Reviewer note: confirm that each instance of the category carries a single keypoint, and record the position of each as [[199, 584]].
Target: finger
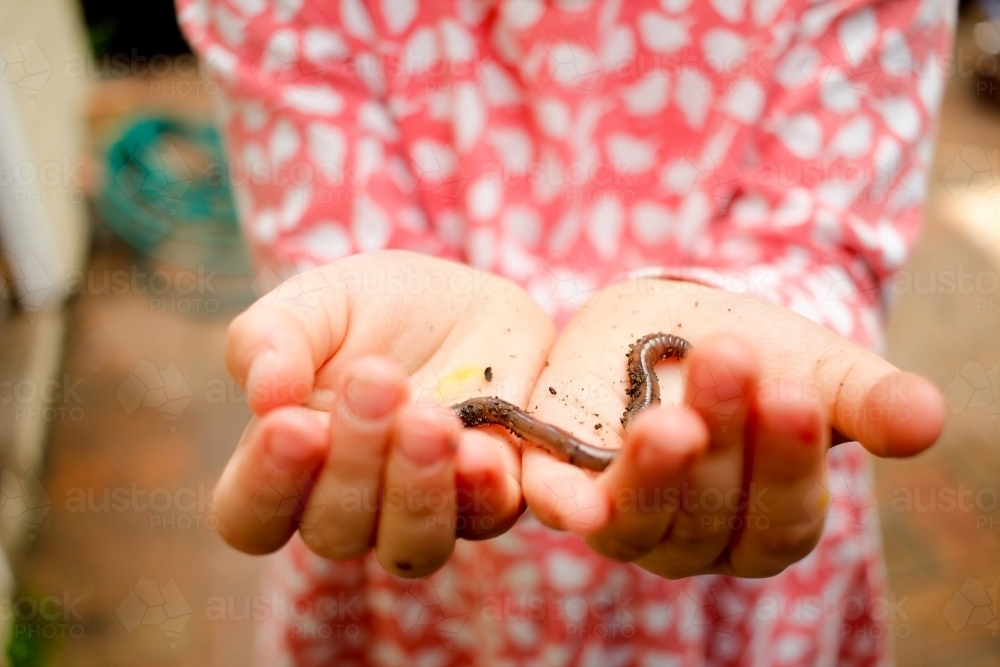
[[891, 413], [722, 372], [275, 347], [720, 382], [265, 489], [349, 484], [579, 392], [787, 500], [477, 361], [488, 486], [417, 524], [562, 496], [643, 483]]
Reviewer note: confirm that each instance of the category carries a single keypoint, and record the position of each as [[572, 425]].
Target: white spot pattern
[[562, 144]]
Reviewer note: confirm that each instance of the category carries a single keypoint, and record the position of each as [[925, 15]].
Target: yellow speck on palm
[[454, 384]]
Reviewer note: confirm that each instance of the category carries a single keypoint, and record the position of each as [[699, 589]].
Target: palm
[[442, 322], [409, 335], [759, 376], [795, 354]]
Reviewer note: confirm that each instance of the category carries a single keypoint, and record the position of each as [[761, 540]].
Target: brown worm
[[643, 391]]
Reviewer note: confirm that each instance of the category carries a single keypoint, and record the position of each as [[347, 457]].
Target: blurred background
[[122, 266]]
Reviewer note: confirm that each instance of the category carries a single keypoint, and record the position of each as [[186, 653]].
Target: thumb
[[275, 347], [893, 414]]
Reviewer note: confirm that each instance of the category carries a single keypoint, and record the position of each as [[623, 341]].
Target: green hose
[[167, 194]]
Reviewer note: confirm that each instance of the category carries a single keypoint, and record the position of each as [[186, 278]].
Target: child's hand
[[350, 369], [762, 388]]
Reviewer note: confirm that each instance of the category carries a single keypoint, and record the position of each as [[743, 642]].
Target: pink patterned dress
[[771, 146]]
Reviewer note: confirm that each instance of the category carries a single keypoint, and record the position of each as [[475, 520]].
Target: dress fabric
[[778, 147]]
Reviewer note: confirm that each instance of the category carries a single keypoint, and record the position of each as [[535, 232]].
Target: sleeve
[[834, 179]]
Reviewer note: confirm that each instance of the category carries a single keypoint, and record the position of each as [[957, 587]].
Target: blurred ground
[[129, 484], [128, 529], [128, 547], [939, 512]]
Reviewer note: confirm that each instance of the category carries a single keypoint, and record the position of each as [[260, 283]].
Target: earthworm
[[643, 391]]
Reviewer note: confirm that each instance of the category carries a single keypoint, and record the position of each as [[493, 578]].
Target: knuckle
[[789, 543], [765, 570], [691, 530], [242, 540], [354, 464], [623, 549], [485, 527], [669, 568], [790, 470], [340, 548]]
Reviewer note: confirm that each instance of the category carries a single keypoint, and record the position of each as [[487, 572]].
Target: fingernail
[[371, 398], [674, 441], [289, 451], [651, 453], [799, 425], [424, 442]]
